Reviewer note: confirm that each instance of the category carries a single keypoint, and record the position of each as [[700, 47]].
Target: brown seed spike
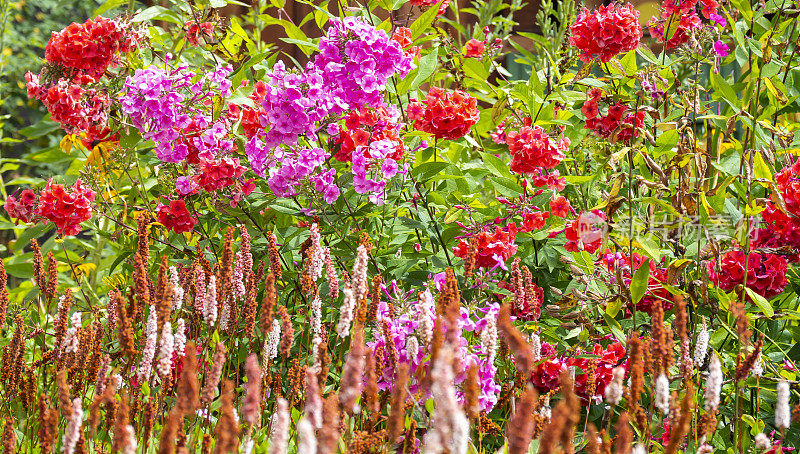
[[3, 294], [52, 276], [521, 425], [519, 346]]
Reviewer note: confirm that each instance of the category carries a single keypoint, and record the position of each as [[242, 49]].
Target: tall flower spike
[[251, 409], [177, 290], [449, 430], [346, 313], [783, 413], [713, 384], [166, 351], [360, 284], [306, 438], [73, 431], [149, 351], [331, 275], [317, 254], [200, 290], [180, 337], [662, 394], [270, 350], [279, 437], [210, 303], [701, 346], [613, 392]]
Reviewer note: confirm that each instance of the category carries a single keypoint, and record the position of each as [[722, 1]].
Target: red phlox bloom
[[474, 48], [76, 108], [22, 208], [176, 217], [560, 207], [656, 293], [620, 123], [403, 36], [492, 245], [446, 115], [781, 230], [216, 175], [683, 28], [586, 232], [606, 32], [546, 374], [766, 273], [250, 116], [193, 31], [533, 220], [531, 147], [88, 48], [364, 127], [788, 181], [66, 209], [609, 358]]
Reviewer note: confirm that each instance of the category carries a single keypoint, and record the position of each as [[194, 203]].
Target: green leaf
[[722, 87], [39, 129], [427, 64], [507, 186], [613, 307], [495, 165], [639, 281], [761, 302], [423, 22], [109, 5], [427, 170]]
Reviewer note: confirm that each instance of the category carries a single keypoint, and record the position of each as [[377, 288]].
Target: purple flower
[[721, 49], [185, 185], [717, 19]]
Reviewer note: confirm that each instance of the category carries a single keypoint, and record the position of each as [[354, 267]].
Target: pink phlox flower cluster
[[294, 102], [356, 59], [161, 103]]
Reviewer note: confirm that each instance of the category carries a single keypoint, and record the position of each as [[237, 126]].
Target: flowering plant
[[403, 228]]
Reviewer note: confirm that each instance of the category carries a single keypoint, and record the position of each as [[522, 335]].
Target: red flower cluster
[[193, 31], [493, 248], [66, 209], [655, 294], [216, 175], [608, 358], [781, 230], [546, 375], [445, 115], [474, 48], [403, 36], [586, 232], [176, 217], [604, 33], [788, 181], [250, 121], [22, 208], [364, 127], [531, 148], [619, 124], [680, 16], [77, 109], [89, 48], [81, 53], [766, 273]]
